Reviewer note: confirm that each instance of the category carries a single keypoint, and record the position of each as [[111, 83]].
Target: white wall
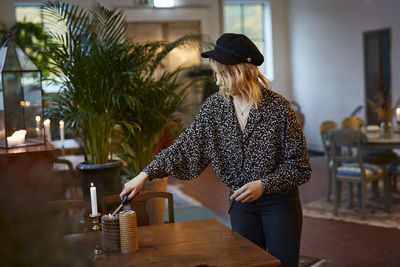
[[280, 39], [327, 57]]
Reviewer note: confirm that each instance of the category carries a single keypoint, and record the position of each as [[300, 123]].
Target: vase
[[105, 177], [386, 129]]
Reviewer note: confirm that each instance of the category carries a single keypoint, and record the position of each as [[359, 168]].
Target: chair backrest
[[325, 127], [353, 122], [71, 216], [299, 114], [346, 145], [138, 204], [67, 181]]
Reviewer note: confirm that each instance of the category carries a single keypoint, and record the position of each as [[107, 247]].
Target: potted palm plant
[[92, 64], [114, 92], [160, 93]]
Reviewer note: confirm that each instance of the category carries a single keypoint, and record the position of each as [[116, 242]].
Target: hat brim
[[222, 56]]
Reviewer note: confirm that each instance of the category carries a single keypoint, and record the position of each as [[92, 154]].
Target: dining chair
[[71, 216], [375, 157], [138, 204], [325, 127], [394, 172], [66, 182], [298, 113], [349, 166], [353, 122]]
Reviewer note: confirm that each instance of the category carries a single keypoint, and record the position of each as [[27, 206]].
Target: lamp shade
[[21, 107]]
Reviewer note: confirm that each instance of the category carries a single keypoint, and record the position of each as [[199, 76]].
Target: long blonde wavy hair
[[246, 78]]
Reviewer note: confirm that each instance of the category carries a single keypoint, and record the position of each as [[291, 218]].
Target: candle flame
[[46, 122], [62, 123], [91, 184], [37, 118]]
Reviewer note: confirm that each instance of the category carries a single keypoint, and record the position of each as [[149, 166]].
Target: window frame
[[267, 32], [38, 5]]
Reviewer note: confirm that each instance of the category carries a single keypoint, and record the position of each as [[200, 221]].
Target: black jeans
[[273, 222]]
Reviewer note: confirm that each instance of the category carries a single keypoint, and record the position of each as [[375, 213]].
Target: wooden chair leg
[[394, 183], [338, 195], [387, 192], [329, 189], [363, 201], [350, 195], [359, 194], [375, 189]]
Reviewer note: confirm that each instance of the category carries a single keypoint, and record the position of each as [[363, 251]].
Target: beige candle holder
[[111, 233], [128, 231]]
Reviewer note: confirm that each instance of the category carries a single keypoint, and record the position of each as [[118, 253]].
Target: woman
[[251, 137]]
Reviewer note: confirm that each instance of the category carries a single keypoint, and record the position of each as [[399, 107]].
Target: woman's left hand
[[249, 192]]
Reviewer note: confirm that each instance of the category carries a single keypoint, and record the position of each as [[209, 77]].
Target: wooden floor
[[341, 244]]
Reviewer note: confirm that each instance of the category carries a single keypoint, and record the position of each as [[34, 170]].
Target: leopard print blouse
[[271, 148]]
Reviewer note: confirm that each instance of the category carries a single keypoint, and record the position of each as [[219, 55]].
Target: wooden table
[[375, 142], [192, 243]]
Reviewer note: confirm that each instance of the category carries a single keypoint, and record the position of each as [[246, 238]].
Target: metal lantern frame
[[20, 100]]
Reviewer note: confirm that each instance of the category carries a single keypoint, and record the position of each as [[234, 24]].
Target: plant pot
[[105, 177], [156, 207]]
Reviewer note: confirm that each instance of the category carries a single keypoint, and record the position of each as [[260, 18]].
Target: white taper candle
[[62, 133], [93, 199]]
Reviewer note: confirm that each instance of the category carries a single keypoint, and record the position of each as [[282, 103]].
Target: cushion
[[353, 169]]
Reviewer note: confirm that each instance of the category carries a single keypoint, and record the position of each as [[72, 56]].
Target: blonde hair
[[244, 77]]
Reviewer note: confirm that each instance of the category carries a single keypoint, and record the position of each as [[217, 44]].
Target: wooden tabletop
[[192, 243], [375, 141]]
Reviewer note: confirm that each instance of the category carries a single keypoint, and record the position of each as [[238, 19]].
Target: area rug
[[375, 213], [187, 208], [305, 261], [181, 200]]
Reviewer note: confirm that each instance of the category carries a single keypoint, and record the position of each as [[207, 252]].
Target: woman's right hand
[[135, 185]]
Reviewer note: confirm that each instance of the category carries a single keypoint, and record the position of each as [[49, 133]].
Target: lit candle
[[398, 114], [37, 119], [93, 199], [62, 133], [17, 138], [47, 132]]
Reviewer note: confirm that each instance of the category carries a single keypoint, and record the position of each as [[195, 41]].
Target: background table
[[192, 243], [376, 142]]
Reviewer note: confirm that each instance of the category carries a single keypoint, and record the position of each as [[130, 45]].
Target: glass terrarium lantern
[[21, 108]]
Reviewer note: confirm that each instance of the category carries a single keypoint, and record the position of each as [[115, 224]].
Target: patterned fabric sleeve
[[187, 157], [294, 168]]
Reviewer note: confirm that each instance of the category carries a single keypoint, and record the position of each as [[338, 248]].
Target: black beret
[[233, 49]]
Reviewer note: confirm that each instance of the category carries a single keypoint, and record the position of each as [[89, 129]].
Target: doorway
[[377, 68], [187, 56]]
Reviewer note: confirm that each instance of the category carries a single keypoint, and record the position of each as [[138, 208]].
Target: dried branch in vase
[[383, 106]]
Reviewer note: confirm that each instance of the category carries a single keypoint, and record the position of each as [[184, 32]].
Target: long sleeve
[[294, 167], [188, 156]]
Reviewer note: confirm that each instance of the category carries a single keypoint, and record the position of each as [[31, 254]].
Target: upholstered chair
[[325, 127], [349, 166]]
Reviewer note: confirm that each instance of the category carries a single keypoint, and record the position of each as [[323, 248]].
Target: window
[[253, 19], [33, 12]]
